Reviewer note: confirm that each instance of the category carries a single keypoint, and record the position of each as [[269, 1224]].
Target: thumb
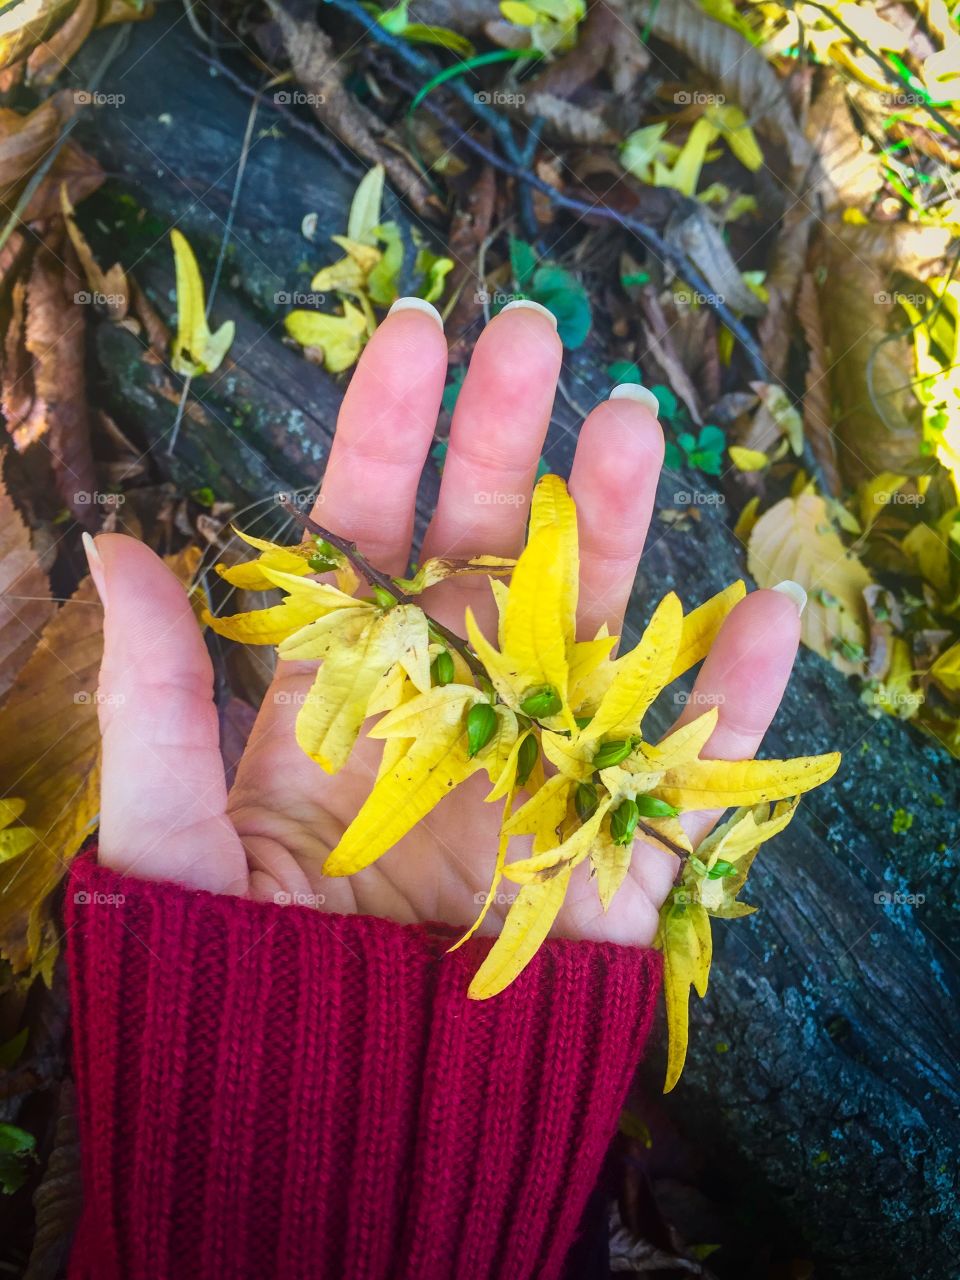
[[163, 791]]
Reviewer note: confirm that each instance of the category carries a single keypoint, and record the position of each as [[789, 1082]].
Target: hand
[[165, 811]]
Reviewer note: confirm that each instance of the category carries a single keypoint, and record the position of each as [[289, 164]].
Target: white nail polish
[[527, 303], [97, 571], [634, 391], [417, 304], [794, 591]]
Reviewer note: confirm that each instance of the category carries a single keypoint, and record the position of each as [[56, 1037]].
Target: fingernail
[[97, 571], [417, 304], [530, 305], [634, 391], [794, 591]]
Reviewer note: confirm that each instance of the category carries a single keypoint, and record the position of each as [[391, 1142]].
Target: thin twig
[[652, 834], [385, 583]]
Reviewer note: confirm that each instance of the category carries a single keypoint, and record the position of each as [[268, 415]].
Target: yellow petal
[[264, 626], [314, 641], [641, 674], [717, 784], [538, 625], [527, 924], [544, 811], [324, 596], [683, 744], [572, 756], [685, 940], [404, 795], [569, 854], [338, 703], [611, 862], [552, 505], [702, 625], [443, 705]]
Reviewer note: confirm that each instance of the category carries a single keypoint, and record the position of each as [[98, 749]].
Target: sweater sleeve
[[271, 1091]]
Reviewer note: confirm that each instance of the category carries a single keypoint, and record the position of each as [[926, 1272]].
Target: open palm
[[165, 811]]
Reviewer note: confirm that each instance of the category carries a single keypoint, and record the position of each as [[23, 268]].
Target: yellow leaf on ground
[[339, 338], [717, 784], [50, 756], [195, 349], [795, 539], [527, 924], [747, 459]]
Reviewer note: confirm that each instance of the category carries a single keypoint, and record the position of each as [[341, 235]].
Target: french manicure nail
[[794, 591], [642, 395], [417, 304], [528, 303], [97, 571]]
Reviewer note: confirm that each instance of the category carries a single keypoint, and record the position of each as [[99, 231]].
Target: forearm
[[275, 1091]]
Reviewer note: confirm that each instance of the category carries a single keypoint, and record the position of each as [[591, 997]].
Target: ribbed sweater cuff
[[276, 1092]]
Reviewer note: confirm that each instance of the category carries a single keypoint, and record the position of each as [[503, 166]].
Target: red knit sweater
[[272, 1091]]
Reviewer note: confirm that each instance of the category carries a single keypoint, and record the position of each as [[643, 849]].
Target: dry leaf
[[55, 333], [24, 590], [795, 539]]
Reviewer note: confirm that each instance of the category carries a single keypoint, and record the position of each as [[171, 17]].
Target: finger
[[614, 484], [744, 676], [497, 433], [163, 792], [384, 431]]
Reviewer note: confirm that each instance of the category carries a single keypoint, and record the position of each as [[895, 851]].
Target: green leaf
[[625, 371], [383, 280], [667, 402], [523, 261], [365, 208]]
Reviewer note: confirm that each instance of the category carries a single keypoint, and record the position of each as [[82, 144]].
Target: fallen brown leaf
[[25, 604]]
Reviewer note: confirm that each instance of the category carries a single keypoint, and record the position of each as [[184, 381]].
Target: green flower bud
[[384, 598], [651, 807], [611, 753], [481, 722], [721, 870], [585, 800], [527, 758], [582, 721], [441, 668], [624, 822], [541, 702]]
